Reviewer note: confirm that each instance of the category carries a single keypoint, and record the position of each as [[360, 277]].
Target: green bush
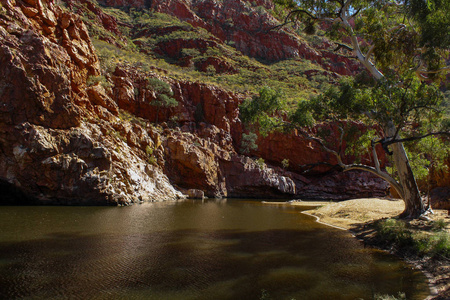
[[261, 163], [149, 150], [285, 163], [441, 245], [438, 225], [248, 142], [397, 233], [211, 70]]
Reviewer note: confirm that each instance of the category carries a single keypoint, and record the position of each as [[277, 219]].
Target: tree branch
[[344, 46], [376, 171], [357, 50], [388, 142], [369, 53], [291, 14], [375, 156], [380, 174]]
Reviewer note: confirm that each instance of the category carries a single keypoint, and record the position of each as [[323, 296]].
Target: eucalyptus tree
[[403, 45]]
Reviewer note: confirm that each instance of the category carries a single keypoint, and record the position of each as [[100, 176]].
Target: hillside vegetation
[[161, 43]]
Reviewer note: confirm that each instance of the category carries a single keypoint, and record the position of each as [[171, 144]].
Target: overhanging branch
[[376, 171], [389, 141]]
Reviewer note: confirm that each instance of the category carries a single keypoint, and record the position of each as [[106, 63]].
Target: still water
[[189, 250]]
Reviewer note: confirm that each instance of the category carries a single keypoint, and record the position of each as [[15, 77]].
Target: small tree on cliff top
[[401, 46]]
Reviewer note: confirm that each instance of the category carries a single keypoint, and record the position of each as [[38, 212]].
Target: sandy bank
[[353, 215]]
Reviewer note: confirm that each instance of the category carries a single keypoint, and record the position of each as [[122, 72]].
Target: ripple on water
[[185, 251]]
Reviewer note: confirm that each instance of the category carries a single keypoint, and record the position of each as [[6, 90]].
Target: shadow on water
[[190, 250], [193, 264]]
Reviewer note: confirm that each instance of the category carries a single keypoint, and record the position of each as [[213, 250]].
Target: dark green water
[[189, 250]]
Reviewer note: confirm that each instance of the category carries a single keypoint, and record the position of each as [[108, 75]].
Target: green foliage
[[141, 31], [211, 70], [301, 116], [285, 163], [441, 245], [438, 225], [395, 231], [407, 35], [149, 150], [163, 92], [248, 142], [359, 142], [428, 154], [263, 109], [405, 101], [165, 101], [151, 159], [147, 19], [406, 239], [261, 163], [290, 4], [159, 86], [127, 116], [434, 22], [190, 52]]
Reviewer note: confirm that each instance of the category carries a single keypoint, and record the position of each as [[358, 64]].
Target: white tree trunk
[[411, 196]]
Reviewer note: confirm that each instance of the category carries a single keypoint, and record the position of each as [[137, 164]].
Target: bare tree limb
[[375, 156], [291, 14], [389, 141], [342, 46]]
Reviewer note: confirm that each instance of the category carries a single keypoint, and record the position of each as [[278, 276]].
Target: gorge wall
[[66, 140]]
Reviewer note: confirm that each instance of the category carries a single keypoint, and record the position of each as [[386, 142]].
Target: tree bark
[[414, 206]]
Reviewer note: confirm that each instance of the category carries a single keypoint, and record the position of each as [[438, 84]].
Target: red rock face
[[208, 162], [204, 156], [107, 21], [198, 102], [61, 140], [305, 155], [220, 66], [56, 57]]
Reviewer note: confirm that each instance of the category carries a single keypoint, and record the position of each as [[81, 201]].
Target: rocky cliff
[[72, 132], [62, 142]]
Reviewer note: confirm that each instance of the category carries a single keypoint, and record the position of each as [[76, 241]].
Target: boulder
[[196, 194]]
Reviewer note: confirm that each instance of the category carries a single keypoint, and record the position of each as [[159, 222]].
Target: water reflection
[[188, 250]]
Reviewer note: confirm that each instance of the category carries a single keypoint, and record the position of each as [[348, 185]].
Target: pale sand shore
[[353, 214]]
